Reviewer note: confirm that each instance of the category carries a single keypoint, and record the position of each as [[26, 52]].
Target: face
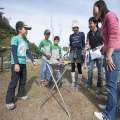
[[92, 25], [75, 29], [47, 35], [96, 13], [56, 42], [23, 31]]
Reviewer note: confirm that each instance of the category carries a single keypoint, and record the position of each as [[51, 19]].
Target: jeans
[[90, 71], [14, 81], [112, 87], [43, 70]]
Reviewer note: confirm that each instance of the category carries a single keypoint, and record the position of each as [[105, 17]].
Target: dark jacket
[[77, 43], [77, 40], [96, 39]]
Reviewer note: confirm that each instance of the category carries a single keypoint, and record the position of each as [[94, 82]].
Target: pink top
[[110, 31]]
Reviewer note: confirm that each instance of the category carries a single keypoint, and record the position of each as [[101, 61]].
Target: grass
[[81, 104]]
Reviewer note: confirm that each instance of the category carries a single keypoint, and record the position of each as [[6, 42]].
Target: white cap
[[75, 23]]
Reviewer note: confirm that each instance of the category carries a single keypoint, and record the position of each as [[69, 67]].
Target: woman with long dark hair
[[111, 49]]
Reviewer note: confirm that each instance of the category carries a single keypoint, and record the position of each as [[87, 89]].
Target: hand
[[58, 57], [34, 64], [47, 54], [16, 68], [100, 47], [68, 50], [110, 64]]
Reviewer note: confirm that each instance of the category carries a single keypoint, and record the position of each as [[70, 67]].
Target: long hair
[[102, 7]]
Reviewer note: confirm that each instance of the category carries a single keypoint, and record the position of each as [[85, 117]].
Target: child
[[55, 50], [18, 64], [44, 48]]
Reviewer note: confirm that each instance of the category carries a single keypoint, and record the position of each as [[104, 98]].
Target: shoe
[[47, 80], [98, 90], [100, 116], [87, 86], [10, 106], [23, 98], [72, 85], [77, 87], [102, 106], [43, 84]]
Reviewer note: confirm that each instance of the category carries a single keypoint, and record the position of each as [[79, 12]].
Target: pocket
[[116, 59]]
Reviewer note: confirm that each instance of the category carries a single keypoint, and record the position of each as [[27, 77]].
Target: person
[[95, 41], [77, 43], [44, 48], [111, 35], [56, 53], [18, 64]]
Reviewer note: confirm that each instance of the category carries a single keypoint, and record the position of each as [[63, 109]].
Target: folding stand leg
[[57, 89]]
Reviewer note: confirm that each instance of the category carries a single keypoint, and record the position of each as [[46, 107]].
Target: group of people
[[105, 39]]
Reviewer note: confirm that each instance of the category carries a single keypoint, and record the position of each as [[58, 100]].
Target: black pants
[[15, 77], [78, 66]]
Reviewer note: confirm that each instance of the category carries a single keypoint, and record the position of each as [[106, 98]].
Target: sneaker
[[98, 90], [102, 106], [87, 86], [72, 84], [23, 98], [77, 87], [43, 84], [10, 106], [47, 80], [99, 116]]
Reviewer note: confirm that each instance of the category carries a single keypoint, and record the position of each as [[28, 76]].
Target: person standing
[[111, 35], [95, 41], [18, 65], [77, 43], [44, 48]]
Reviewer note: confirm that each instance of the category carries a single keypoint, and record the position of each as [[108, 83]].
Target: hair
[[93, 19], [102, 7], [57, 38], [18, 30]]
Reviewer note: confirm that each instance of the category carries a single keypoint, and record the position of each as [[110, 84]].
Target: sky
[[55, 15]]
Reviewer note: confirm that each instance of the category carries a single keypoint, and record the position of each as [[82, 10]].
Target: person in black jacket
[[77, 43], [95, 41]]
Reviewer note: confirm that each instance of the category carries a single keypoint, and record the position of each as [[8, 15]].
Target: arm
[[83, 40], [60, 52], [39, 48], [14, 52], [30, 55], [112, 25]]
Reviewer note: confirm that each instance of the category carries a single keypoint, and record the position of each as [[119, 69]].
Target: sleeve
[[112, 27], [83, 40], [14, 53], [14, 41], [60, 51], [51, 49], [30, 55], [70, 41], [39, 48]]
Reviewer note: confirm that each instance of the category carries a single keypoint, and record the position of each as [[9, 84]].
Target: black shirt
[[96, 39]]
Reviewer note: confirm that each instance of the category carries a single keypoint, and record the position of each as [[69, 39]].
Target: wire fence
[[4, 61]]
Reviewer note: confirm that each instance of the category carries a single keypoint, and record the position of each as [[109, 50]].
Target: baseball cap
[[21, 24], [47, 32]]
